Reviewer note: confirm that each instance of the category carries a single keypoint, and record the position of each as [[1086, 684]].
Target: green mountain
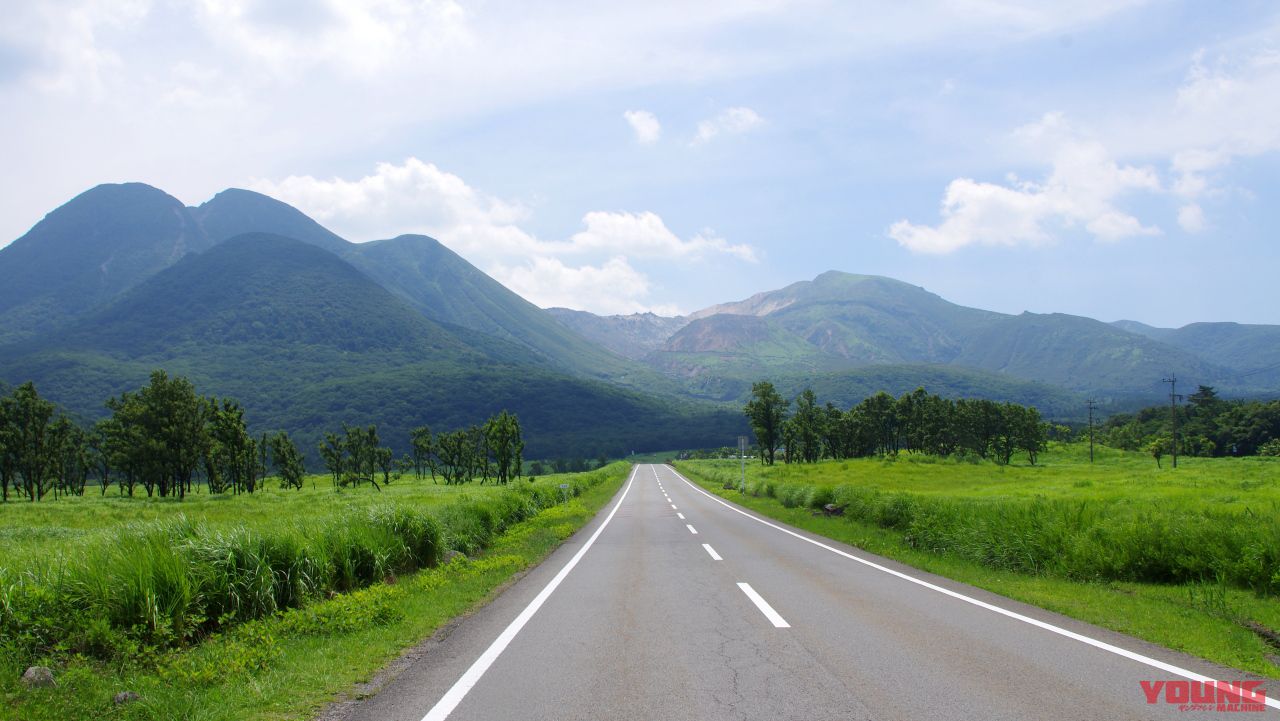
[[867, 319], [236, 212], [435, 281], [1251, 352], [88, 251], [443, 286], [1080, 354], [840, 323], [307, 342]]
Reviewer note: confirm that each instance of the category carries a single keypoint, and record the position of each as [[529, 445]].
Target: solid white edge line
[[774, 617], [1103, 645], [714, 556], [692, 530], [471, 677]]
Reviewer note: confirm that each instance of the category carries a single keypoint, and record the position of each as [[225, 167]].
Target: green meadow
[[267, 605], [1188, 558]]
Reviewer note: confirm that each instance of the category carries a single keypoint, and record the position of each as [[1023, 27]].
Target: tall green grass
[[148, 587], [1088, 538]]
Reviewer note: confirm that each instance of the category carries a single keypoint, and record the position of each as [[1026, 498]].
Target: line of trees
[[169, 440], [491, 452], [917, 422], [1206, 426], [163, 437]]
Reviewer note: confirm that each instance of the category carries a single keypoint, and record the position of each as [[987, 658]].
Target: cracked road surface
[[653, 624]]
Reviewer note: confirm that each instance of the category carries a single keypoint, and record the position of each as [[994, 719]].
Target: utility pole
[[1173, 414], [1091, 403]]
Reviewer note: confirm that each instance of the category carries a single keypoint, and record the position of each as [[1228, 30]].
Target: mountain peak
[[236, 211], [89, 250]]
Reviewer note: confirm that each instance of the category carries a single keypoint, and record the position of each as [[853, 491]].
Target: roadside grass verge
[[1205, 587], [288, 663]]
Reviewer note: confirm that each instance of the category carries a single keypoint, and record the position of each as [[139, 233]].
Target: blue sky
[[1109, 159]]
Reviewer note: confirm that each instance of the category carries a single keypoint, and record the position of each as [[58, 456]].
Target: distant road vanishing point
[[674, 604]]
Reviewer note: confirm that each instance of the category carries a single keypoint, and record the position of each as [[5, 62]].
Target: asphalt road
[[675, 605]]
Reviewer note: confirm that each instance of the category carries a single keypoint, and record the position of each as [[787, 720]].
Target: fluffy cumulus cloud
[[645, 125], [418, 197], [731, 121], [1222, 112], [1081, 190]]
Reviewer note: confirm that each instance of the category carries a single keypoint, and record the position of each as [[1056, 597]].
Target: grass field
[[28, 529], [281, 664], [1189, 558]]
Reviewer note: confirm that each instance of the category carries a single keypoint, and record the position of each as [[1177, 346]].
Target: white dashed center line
[[714, 556], [692, 530], [764, 606]]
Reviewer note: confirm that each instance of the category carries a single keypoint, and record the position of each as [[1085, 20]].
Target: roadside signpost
[[564, 491]]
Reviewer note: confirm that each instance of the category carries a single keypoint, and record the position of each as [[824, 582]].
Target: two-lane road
[[676, 605]]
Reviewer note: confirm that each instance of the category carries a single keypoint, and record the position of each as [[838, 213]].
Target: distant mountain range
[[844, 324], [254, 300]]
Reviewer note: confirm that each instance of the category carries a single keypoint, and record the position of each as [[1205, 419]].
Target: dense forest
[[1205, 426]]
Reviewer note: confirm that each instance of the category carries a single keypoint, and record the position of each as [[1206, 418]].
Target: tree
[[766, 412], [1031, 432], [234, 456], [421, 442], [30, 441], [807, 429], [1157, 447], [505, 445], [165, 424], [333, 451], [879, 416], [287, 461]]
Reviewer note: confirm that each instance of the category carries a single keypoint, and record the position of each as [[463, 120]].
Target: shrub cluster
[[1081, 540], [155, 586]]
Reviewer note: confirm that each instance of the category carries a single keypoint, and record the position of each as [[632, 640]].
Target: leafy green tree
[[453, 456], [1158, 447], [807, 429], [505, 445], [233, 455], [30, 441], [333, 451], [8, 446], [287, 460], [766, 411], [420, 440]]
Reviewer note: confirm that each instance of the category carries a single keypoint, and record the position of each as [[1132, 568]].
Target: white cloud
[[1081, 189], [645, 124], [613, 287], [1191, 218], [418, 197], [645, 235], [731, 121], [1223, 113]]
